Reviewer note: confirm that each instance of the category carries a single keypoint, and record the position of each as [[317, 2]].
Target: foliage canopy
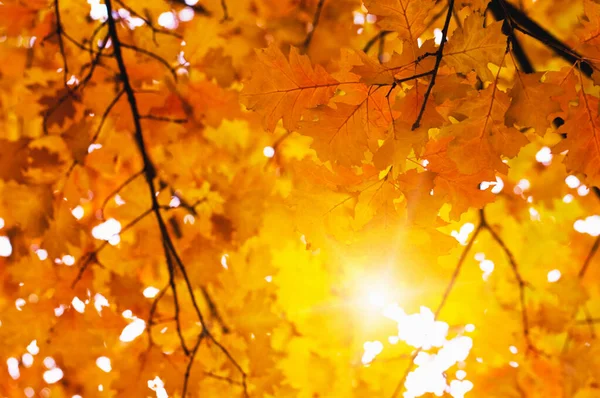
[[316, 198]]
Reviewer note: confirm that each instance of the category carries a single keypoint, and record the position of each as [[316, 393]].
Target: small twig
[[588, 258], [438, 60], [164, 119], [188, 369], [152, 55], [520, 281], [225, 10], [105, 115], [223, 378], [315, 23], [153, 307], [118, 189], [213, 310], [379, 36], [61, 45]]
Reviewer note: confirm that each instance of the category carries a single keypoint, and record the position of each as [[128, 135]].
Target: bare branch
[[315, 23], [520, 281], [438, 60]]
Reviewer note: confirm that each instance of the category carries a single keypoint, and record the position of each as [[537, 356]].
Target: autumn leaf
[[525, 94], [472, 47], [407, 17], [284, 89], [583, 139]]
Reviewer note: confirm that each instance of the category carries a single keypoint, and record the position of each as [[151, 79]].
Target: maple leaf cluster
[[322, 198]]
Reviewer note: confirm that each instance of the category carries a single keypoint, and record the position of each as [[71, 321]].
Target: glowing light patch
[[68, 260], [58, 311], [224, 258], [524, 184], [13, 368], [186, 14], [19, 303], [33, 348], [572, 182], [513, 349], [78, 212], [544, 156], [27, 360], [359, 18], [372, 349], [175, 202], [53, 375], [158, 386], [269, 151], [462, 236], [437, 36], [98, 11], [49, 363], [151, 292], [108, 230], [486, 266], [5, 247], [78, 305], [133, 330], [104, 364], [582, 190], [590, 226], [94, 147], [100, 301], [534, 215], [1, 222], [458, 388], [568, 198], [29, 392], [554, 276], [168, 20]]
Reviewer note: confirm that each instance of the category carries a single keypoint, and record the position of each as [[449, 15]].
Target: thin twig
[[61, 44], [188, 369], [118, 189], [315, 23], [213, 310], [379, 36], [225, 10], [520, 281], [164, 119], [588, 258], [438, 60]]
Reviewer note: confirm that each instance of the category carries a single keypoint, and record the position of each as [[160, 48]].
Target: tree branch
[[438, 60], [315, 23], [150, 173]]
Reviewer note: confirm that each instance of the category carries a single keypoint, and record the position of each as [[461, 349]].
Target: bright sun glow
[[438, 352]]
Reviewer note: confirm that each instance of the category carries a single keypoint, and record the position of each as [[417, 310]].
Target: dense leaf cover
[[299, 198]]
